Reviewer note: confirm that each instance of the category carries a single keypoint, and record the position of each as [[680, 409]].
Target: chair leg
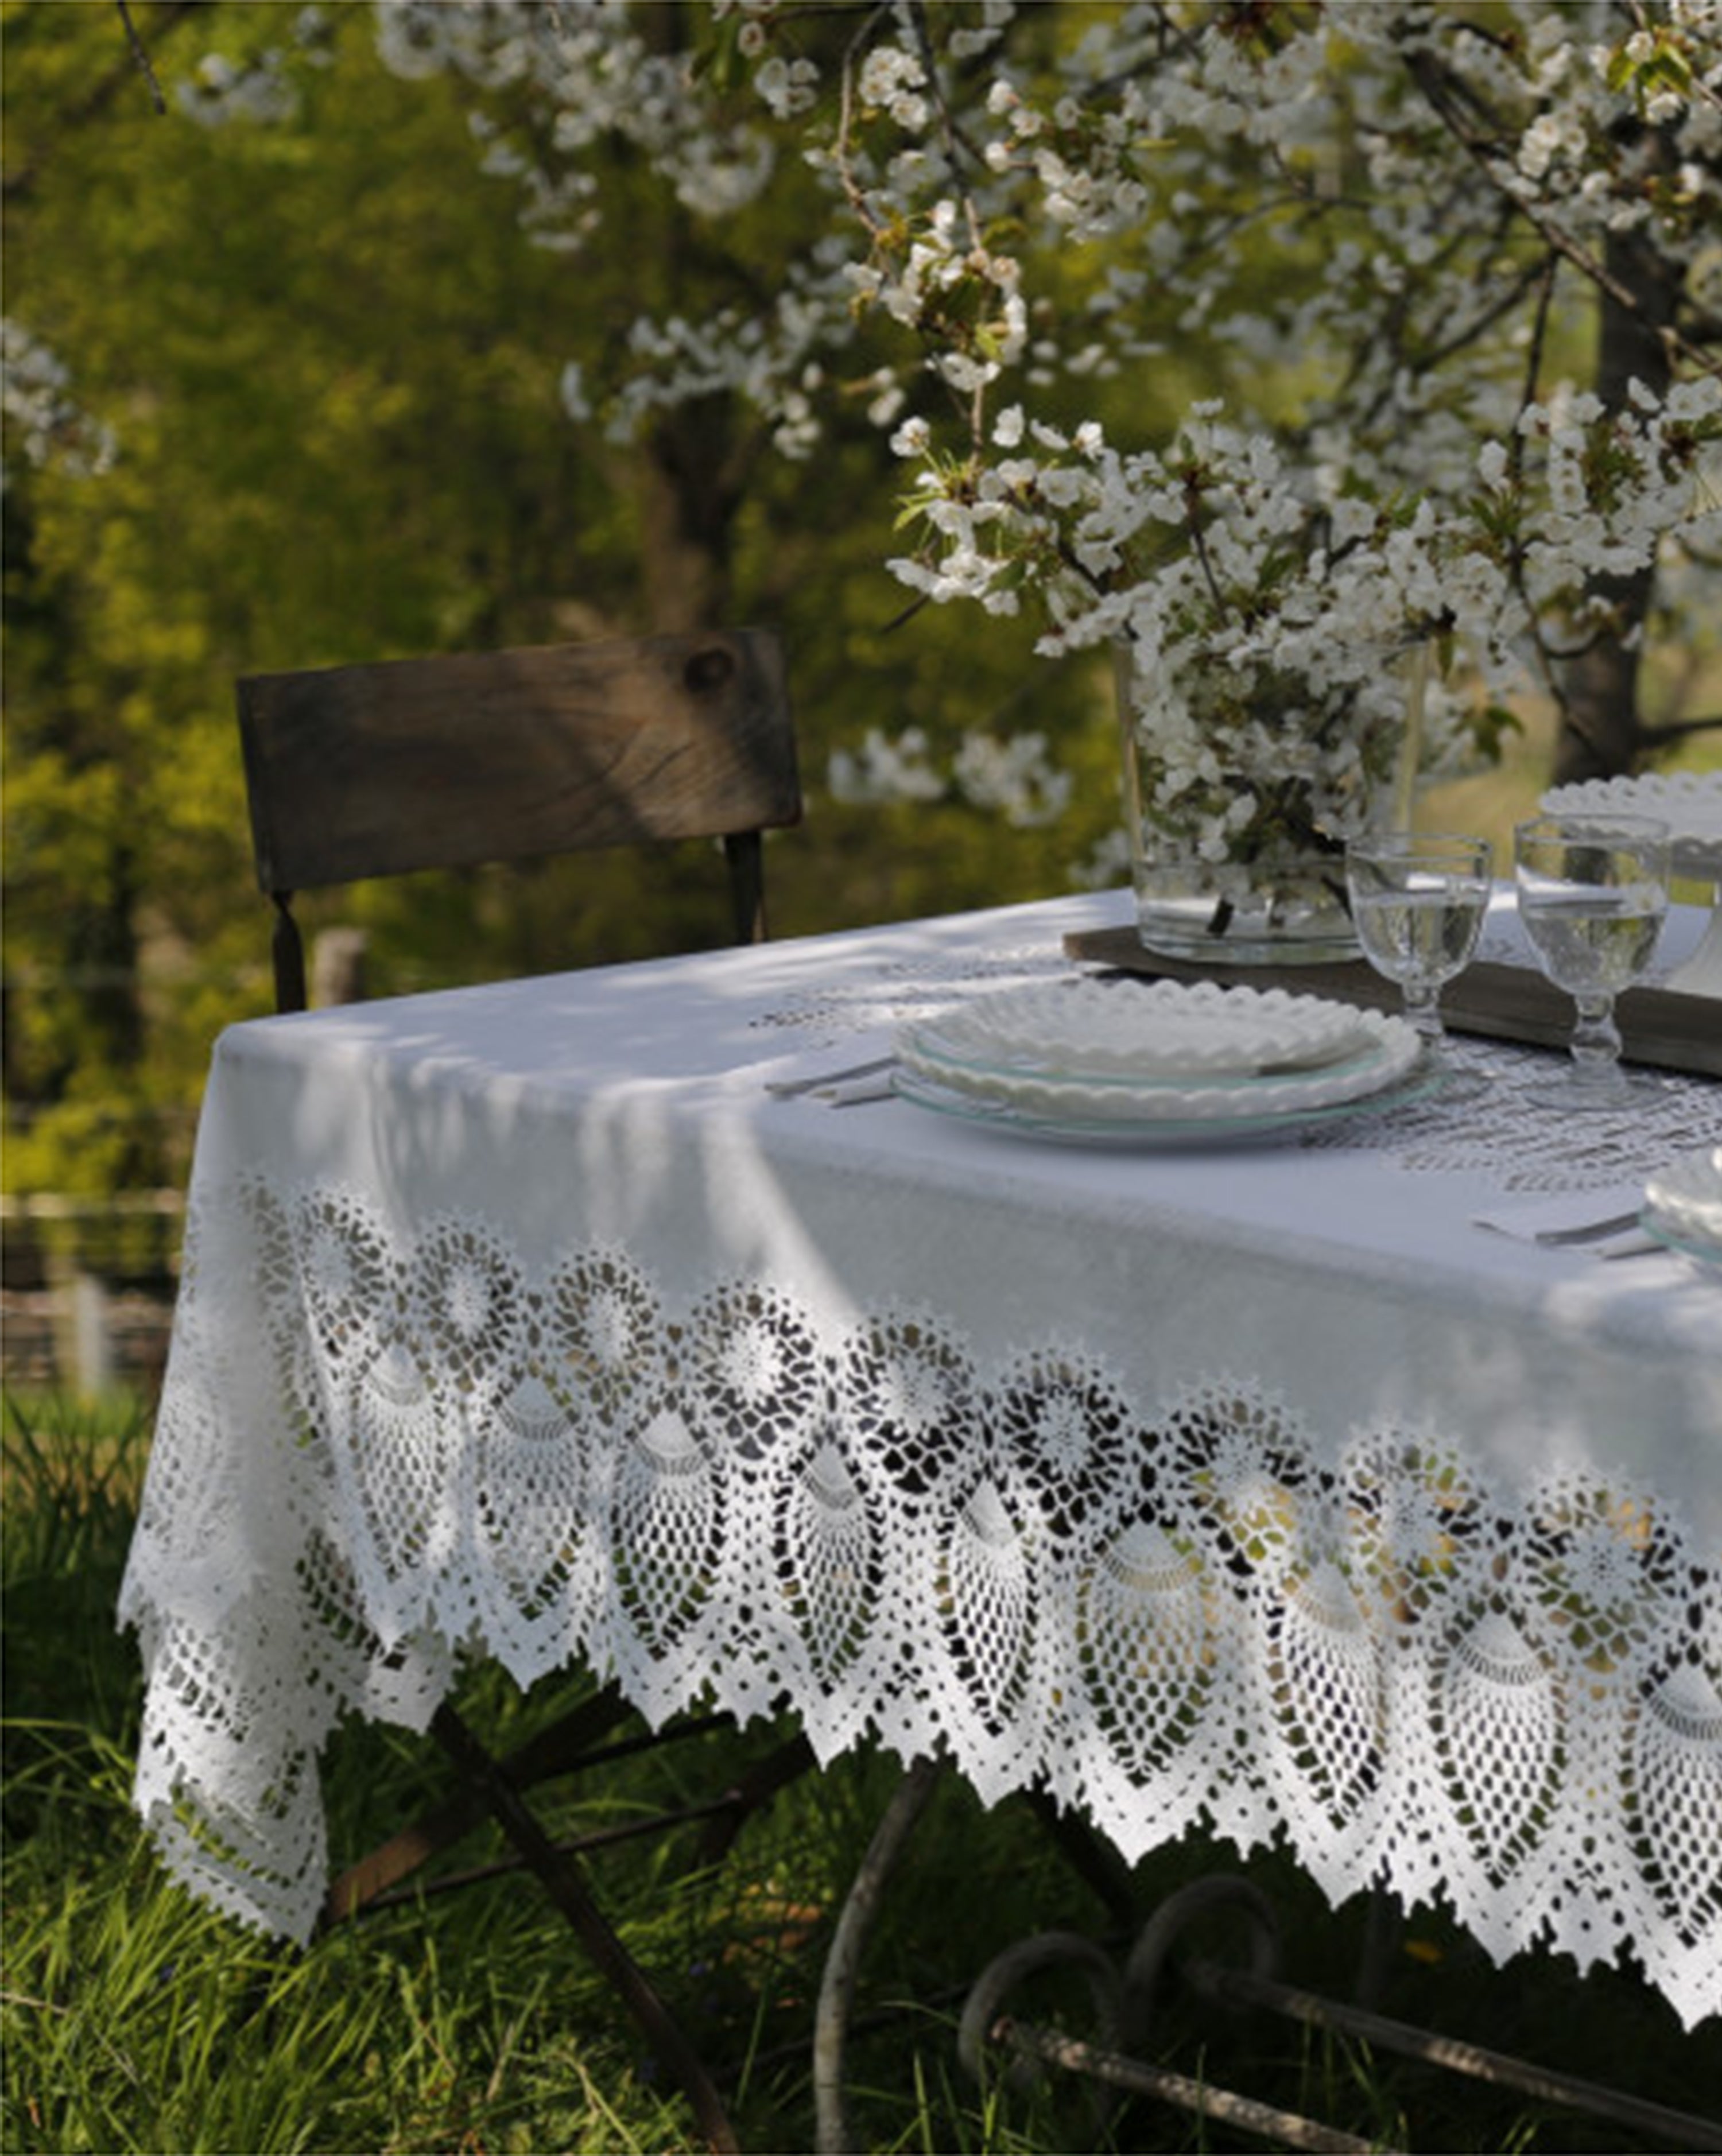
[[489, 1786], [751, 1790], [745, 852], [560, 1876], [566, 1747], [287, 954], [558, 1749], [1093, 1859]]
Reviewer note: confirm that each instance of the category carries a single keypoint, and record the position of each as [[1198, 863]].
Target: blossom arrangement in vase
[[1273, 644], [1242, 784], [1276, 698], [1278, 625]]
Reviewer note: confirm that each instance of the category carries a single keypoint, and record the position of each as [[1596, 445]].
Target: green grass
[[135, 2018]]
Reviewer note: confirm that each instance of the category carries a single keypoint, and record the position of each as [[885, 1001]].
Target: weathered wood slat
[[1659, 1026], [446, 763]]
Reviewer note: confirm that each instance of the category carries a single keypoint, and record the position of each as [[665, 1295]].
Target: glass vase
[[1243, 862], [1275, 910]]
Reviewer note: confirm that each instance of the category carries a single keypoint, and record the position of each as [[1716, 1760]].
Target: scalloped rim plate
[[1126, 1133], [1136, 1033], [1689, 802], [1360, 1053]]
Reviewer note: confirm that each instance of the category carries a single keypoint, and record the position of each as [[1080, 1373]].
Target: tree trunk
[[691, 463], [1602, 731], [689, 507]]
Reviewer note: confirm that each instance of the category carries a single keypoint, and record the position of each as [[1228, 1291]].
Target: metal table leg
[[842, 1964]]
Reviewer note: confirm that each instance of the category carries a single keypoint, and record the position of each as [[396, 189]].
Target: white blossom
[[573, 390], [892, 77], [1013, 777], [884, 770], [1094, 208], [788, 87], [222, 91], [46, 422]]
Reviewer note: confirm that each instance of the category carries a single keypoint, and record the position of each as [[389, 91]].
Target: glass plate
[[1133, 1033], [1688, 1245], [1689, 802], [1385, 1061], [1682, 1205], [1134, 1134], [1362, 1047], [1090, 1051]]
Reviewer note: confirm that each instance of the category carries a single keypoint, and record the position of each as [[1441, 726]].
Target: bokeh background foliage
[[329, 358], [317, 325]]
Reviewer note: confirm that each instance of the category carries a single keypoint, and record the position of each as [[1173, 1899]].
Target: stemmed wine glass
[[1593, 891], [1418, 903]]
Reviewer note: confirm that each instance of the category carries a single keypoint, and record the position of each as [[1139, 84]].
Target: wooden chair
[[358, 772], [365, 771]]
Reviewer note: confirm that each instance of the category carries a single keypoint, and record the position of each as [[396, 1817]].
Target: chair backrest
[[356, 772]]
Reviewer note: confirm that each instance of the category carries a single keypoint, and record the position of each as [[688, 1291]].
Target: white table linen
[[1256, 1485]]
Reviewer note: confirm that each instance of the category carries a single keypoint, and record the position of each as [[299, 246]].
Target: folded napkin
[[836, 1076], [865, 1086], [1600, 1223]]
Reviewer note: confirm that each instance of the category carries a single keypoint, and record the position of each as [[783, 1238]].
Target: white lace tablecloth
[[1259, 1486]]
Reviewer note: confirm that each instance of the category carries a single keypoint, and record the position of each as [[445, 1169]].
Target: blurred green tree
[[330, 359]]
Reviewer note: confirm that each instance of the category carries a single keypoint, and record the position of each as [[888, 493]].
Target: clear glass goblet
[[1593, 893], [1418, 903]]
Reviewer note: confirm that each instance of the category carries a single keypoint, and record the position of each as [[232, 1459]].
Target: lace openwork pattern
[[1523, 1144], [1520, 1145], [1158, 1609]]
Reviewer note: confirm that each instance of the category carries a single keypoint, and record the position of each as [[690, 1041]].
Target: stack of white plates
[[1134, 1062], [1688, 802], [1682, 1205]]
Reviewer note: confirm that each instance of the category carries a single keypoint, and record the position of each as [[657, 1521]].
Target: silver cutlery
[[790, 1089], [1587, 1231], [853, 1092]]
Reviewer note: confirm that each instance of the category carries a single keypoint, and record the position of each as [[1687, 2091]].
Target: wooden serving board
[[1659, 1026]]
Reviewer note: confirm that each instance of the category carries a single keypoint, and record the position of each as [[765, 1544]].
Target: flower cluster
[[1451, 273], [1013, 777], [1265, 632], [40, 410], [1267, 616]]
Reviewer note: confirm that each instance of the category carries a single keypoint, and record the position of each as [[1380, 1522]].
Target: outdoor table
[[1252, 1484]]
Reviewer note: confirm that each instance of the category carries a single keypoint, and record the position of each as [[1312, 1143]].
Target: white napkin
[[847, 1092], [857, 1067], [1598, 1223]]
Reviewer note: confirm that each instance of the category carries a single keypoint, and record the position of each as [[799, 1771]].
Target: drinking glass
[[1418, 903], [1593, 890]]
